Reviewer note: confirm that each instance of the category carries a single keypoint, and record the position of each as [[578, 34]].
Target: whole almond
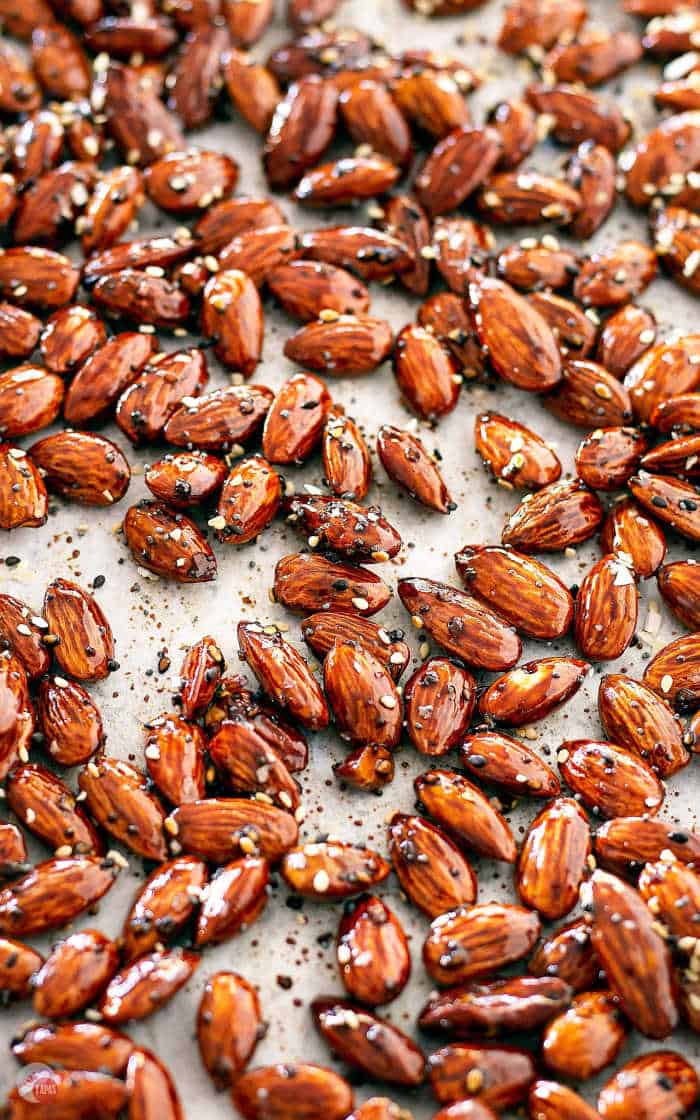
[[527, 198], [573, 331], [294, 1092], [548, 1100], [53, 893], [605, 615], [119, 799], [18, 964], [366, 252], [374, 1046], [22, 630], [82, 466], [306, 288], [512, 582], [519, 342], [553, 859], [346, 344], [567, 953], [200, 674], [77, 1045], [145, 407], [656, 1082], [229, 1023], [671, 890], [149, 1084], [283, 674], [346, 181], [306, 583], [185, 557], [457, 165], [346, 462], [137, 119], [324, 629], [43, 278], [431, 100], [611, 277], [101, 380], [405, 218], [498, 1076], [593, 55], [635, 717], [17, 712], [432, 871], [580, 115], [592, 171], [232, 315], [186, 478], [495, 1007], [85, 646], [530, 692], [494, 757], [302, 128], [589, 397], [79, 1092], [426, 373], [530, 269], [362, 696], [23, 497], [47, 808], [557, 517], [624, 337], [232, 900], [146, 984], [163, 905], [634, 956], [539, 23], [466, 813], [70, 337], [296, 418], [579, 1043], [220, 828], [372, 952], [439, 701], [516, 123], [608, 457], [174, 755], [69, 720], [407, 463], [30, 399], [677, 584], [19, 331], [252, 88], [625, 843], [672, 148], [609, 779], [664, 370], [672, 501], [331, 870], [74, 973], [220, 419], [348, 530], [628, 530]]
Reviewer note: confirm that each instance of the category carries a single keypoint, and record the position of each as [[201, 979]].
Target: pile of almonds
[[216, 807]]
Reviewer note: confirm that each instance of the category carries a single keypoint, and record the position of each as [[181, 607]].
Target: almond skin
[[426, 373], [69, 720], [30, 399], [175, 758], [466, 813], [213, 828], [302, 128], [553, 859], [74, 973], [53, 893], [519, 343], [18, 964], [119, 799], [296, 1092], [439, 701], [374, 1046], [23, 497], [530, 692], [610, 780], [362, 696], [346, 462], [557, 517], [524, 590], [85, 647], [653, 1084], [232, 316], [605, 615], [322, 630], [407, 463], [331, 870], [548, 1100], [144, 986], [568, 954], [296, 418], [506, 1074], [232, 900], [634, 956], [495, 1007], [608, 457], [507, 762], [624, 844], [306, 288], [461, 624], [636, 718], [431, 869], [283, 674], [229, 1025], [82, 466], [220, 419], [628, 530], [101, 380], [372, 951], [163, 905], [47, 808], [185, 558], [306, 583]]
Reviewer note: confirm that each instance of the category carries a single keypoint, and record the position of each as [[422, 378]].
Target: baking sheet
[[289, 954]]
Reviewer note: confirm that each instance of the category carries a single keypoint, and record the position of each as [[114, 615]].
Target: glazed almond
[[624, 337], [174, 755], [368, 768], [540, 23], [634, 956], [145, 407], [574, 332], [362, 696], [636, 718], [302, 128], [306, 583], [495, 1007], [461, 624], [42, 277], [609, 779], [23, 497], [219, 420], [82, 466], [295, 1092], [150, 1087], [593, 55], [663, 371], [69, 720], [432, 100], [19, 331], [494, 757], [608, 457], [101, 380], [553, 859], [516, 123], [530, 269], [439, 700], [332, 870], [523, 197], [654, 1083], [524, 591], [232, 900], [113, 205], [80, 1045], [530, 692], [283, 674], [426, 373], [592, 171], [548, 1100], [478, 940], [466, 813], [674, 672], [295, 420], [605, 615], [580, 115], [253, 89], [407, 463], [248, 763], [369, 253], [346, 462], [568, 954], [141, 297], [462, 245], [519, 342], [458, 164], [672, 501], [611, 277], [232, 315], [628, 530], [559, 516], [85, 646], [185, 478], [579, 1043], [405, 218], [23, 630], [372, 952], [344, 344], [17, 712], [589, 397], [503, 1074], [624, 844], [119, 799], [670, 149], [374, 1046], [214, 827], [429, 866], [229, 1024], [671, 890], [53, 893], [18, 964], [185, 557], [79, 1093], [70, 337], [345, 181], [30, 399], [137, 119], [163, 905], [47, 808], [675, 456], [74, 973], [248, 501], [144, 986], [323, 629], [305, 289]]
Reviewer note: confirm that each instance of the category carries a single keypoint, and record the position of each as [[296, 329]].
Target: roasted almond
[[407, 463], [253, 89], [578, 114], [306, 583], [557, 517], [405, 218], [249, 763], [589, 397], [70, 336], [258, 252], [295, 1092], [611, 277], [374, 1046], [672, 501], [369, 768], [669, 150], [17, 712], [368, 253], [346, 461], [77, 1045], [496, 1076], [580, 1042], [372, 952], [553, 859], [74, 973], [516, 123], [348, 530], [635, 717], [283, 674], [142, 127], [655, 1083], [574, 332], [523, 590], [548, 1100], [53, 893], [229, 1026], [608, 457], [592, 171], [432, 100], [432, 871], [610, 780], [519, 342], [605, 615], [628, 530], [671, 890], [174, 754], [426, 373], [673, 672], [219, 420], [185, 557], [624, 337], [163, 905], [346, 181], [362, 696], [302, 128], [624, 844], [466, 813], [514, 453], [594, 55], [439, 701], [663, 371], [634, 956], [119, 799], [495, 1007], [143, 986], [22, 630], [249, 500], [296, 418], [461, 624], [675, 456], [105, 375], [332, 870], [539, 23], [232, 900], [494, 757], [46, 806], [462, 245], [232, 316], [150, 1085], [324, 629], [220, 828], [85, 646], [530, 692], [186, 478], [30, 399], [195, 82], [18, 964], [568, 954], [523, 197], [19, 331], [37, 277], [471, 942], [343, 344], [23, 497], [140, 254], [83, 467], [80, 1092], [457, 165], [305, 289], [530, 268], [145, 407], [69, 720]]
